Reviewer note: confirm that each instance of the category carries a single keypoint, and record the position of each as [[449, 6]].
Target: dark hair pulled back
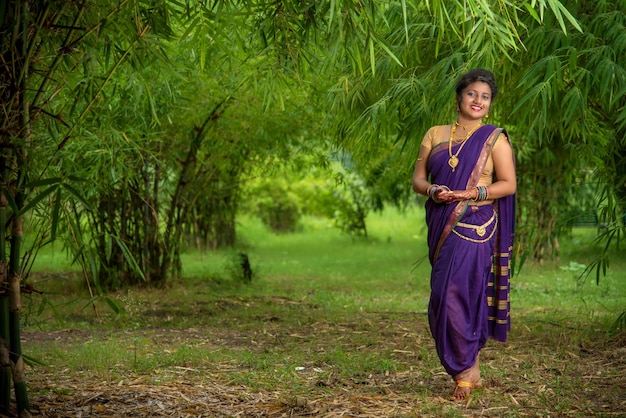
[[477, 74]]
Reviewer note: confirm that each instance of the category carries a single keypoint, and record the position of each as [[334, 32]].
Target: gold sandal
[[463, 384]]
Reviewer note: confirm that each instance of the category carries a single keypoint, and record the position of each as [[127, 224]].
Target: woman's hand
[[451, 196]]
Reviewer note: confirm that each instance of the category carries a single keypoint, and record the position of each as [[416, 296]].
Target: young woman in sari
[[467, 170]]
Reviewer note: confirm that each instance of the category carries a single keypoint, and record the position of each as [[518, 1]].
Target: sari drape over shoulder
[[469, 250]]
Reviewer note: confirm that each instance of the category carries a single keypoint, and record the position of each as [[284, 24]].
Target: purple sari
[[469, 251]]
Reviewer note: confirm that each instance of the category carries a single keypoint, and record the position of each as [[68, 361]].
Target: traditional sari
[[469, 251]]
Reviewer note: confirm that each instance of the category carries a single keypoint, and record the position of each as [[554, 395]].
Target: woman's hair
[[472, 76]]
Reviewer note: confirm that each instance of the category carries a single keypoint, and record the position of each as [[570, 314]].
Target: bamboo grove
[[128, 128]]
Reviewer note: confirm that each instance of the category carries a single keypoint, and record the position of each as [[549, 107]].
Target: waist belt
[[479, 230]]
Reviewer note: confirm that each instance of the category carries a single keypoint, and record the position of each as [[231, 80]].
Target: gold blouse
[[441, 133]]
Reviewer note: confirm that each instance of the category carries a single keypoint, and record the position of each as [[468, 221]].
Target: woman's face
[[475, 101]]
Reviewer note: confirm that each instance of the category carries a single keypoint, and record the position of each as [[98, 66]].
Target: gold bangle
[[436, 199]]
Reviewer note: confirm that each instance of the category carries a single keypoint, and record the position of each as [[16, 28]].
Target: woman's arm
[[505, 180], [420, 174]]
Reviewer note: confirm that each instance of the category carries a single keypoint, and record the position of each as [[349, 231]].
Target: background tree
[[48, 48], [571, 94]]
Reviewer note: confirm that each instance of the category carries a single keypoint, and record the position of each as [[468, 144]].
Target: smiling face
[[474, 102]]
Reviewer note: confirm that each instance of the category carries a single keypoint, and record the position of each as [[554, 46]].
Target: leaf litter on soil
[[534, 374]]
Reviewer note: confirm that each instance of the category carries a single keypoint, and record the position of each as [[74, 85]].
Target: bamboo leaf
[[54, 218], [38, 198], [92, 264], [333, 7], [405, 20], [574, 106], [560, 12], [77, 195], [115, 306], [43, 182], [372, 55], [533, 13], [128, 256], [388, 51], [91, 301], [33, 361], [529, 99]]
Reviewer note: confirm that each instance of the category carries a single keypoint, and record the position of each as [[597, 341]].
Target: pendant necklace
[[453, 161]]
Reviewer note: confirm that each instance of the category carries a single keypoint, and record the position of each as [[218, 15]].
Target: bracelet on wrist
[[481, 193]]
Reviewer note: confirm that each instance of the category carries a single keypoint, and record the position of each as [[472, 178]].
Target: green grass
[[325, 312], [556, 291]]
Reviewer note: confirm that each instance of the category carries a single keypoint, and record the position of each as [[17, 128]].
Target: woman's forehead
[[479, 86]]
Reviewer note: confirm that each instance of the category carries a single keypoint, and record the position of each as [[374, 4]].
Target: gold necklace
[[453, 161]]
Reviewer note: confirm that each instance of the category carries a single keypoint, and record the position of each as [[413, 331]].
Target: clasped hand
[[445, 195]]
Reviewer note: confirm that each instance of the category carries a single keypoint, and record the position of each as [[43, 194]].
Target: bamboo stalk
[[5, 365], [14, 262], [14, 299], [15, 303], [15, 355], [5, 369]]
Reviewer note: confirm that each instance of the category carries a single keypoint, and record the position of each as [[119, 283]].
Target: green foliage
[[276, 204], [351, 205], [567, 76], [335, 194]]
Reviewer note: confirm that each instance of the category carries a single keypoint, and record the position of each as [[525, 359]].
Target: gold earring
[[487, 115]]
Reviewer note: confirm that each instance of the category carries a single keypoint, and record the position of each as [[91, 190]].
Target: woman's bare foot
[[466, 381], [462, 390]]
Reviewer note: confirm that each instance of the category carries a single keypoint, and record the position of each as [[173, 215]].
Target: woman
[[467, 170]]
